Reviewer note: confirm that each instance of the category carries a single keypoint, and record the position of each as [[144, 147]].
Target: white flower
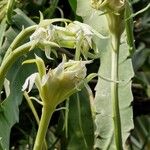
[[59, 83]]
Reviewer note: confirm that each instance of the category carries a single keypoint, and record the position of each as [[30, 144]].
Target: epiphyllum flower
[[113, 5], [74, 35], [114, 10], [59, 83]]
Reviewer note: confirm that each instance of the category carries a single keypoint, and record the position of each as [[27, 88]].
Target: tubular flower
[[114, 10], [59, 83], [74, 35], [113, 5]]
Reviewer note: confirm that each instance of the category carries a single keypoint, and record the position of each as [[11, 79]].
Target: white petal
[[29, 82]]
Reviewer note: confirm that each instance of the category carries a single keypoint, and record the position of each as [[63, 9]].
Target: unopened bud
[[59, 83], [114, 10]]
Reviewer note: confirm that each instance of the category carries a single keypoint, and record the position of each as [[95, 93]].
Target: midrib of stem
[[114, 91], [43, 126]]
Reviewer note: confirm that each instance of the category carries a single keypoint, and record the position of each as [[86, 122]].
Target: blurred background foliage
[[23, 133]]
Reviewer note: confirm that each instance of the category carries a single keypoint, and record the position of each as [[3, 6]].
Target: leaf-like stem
[[114, 92], [47, 112]]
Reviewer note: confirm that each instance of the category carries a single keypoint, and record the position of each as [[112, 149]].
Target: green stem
[[8, 62], [47, 112], [114, 92], [29, 101], [20, 37]]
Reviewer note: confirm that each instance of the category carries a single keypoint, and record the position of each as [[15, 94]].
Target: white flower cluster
[[74, 35]]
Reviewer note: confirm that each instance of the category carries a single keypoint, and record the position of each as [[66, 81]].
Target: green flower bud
[[74, 35], [59, 83], [114, 10], [113, 5]]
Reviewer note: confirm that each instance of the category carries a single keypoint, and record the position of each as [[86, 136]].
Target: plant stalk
[[114, 91], [47, 112]]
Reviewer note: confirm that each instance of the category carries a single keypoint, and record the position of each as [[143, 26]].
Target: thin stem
[[29, 101], [32, 107], [8, 62], [114, 92], [43, 126]]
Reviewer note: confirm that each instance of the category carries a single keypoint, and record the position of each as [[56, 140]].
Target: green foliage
[[140, 139], [10, 106], [104, 105], [9, 111], [80, 122], [73, 4], [88, 120]]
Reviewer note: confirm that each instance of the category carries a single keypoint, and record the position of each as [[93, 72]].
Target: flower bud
[[114, 10], [59, 83], [113, 5], [74, 35]]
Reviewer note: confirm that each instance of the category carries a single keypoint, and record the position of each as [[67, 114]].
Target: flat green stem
[[47, 112], [114, 92]]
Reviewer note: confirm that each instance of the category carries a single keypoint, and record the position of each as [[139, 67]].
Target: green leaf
[[104, 121], [140, 138], [140, 56], [80, 123], [73, 4], [9, 108], [21, 20]]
